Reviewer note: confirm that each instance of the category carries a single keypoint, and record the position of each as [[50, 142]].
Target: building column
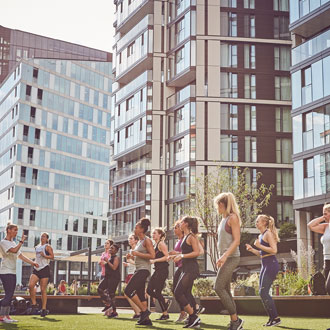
[[301, 224], [67, 269], [55, 272]]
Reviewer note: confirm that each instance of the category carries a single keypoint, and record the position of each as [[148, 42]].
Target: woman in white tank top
[[321, 225], [41, 274]]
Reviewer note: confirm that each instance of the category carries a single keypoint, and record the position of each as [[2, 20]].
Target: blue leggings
[[268, 274]]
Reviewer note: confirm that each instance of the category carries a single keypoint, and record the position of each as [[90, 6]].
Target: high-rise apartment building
[[55, 145], [310, 27], [197, 84]]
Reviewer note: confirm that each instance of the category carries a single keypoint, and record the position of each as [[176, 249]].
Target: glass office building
[[54, 152], [310, 72], [197, 85]]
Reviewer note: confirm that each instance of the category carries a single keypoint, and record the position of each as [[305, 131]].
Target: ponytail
[[270, 224], [192, 223], [161, 232], [229, 201]]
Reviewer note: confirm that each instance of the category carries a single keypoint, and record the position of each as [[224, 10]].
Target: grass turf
[[124, 322]]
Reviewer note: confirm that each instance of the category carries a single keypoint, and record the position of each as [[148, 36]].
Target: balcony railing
[[183, 94], [181, 7], [311, 47], [300, 8], [132, 169], [130, 198], [129, 10]]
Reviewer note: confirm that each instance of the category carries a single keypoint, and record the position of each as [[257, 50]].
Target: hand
[[42, 254], [257, 243], [177, 258], [248, 247], [170, 257], [152, 261], [35, 265], [129, 256], [24, 237], [134, 253], [221, 260], [125, 264]]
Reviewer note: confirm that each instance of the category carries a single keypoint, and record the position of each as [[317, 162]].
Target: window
[[75, 225], [282, 58], [283, 151], [104, 227], [228, 3], [232, 24], [25, 133], [27, 195], [85, 228], [94, 226], [229, 148], [129, 103], [34, 176], [181, 182], [32, 114], [32, 217], [228, 24], [228, 84], [23, 174], [228, 55], [229, 116], [249, 26], [283, 120], [282, 88], [250, 118], [130, 49], [179, 31], [37, 136], [28, 90], [281, 27], [179, 60], [309, 177], [306, 85], [284, 182], [249, 4], [35, 73], [30, 155], [281, 5], [250, 86], [250, 149], [39, 95], [284, 212], [249, 56]]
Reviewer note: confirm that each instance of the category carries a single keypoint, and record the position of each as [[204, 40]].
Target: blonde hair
[[229, 201], [10, 226], [270, 224], [326, 207]]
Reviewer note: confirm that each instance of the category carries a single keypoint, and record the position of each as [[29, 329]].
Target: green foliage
[[168, 289], [50, 288], [247, 238], [203, 287], [287, 230], [251, 199], [292, 284], [252, 281]]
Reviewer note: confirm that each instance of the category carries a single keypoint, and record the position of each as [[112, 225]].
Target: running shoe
[[44, 312], [181, 318], [113, 315], [136, 316], [200, 310], [144, 315], [106, 307], [145, 322], [266, 324], [163, 317], [273, 322], [7, 320], [194, 321], [236, 325]]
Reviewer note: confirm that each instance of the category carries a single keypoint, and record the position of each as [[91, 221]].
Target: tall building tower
[[55, 145], [310, 27], [197, 84]]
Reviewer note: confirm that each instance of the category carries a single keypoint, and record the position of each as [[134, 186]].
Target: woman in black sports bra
[[190, 271], [158, 278]]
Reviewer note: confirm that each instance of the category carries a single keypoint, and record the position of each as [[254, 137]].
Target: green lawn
[[99, 322]]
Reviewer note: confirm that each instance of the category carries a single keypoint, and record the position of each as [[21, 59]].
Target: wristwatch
[[182, 256]]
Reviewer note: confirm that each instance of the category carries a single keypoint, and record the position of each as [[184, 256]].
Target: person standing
[[130, 264], [267, 245], [143, 252], [41, 274], [321, 225], [10, 252], [62, 288], [190, 251], [228, 246], [158, 278]]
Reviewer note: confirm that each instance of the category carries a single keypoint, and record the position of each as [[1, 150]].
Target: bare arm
[[251, 249], [316, 226], [16, 248], [49, 249], [115, 264], [162, 248], [192, 239], [268, 238], [27, 260]]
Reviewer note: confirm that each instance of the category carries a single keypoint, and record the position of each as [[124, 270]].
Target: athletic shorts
[[42, 273]]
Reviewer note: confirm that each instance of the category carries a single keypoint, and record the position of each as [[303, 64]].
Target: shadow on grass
[[46, 319]]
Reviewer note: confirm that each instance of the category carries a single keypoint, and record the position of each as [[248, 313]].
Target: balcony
[[132, 170], [309, 17], [311, 47], [179, 9], [129, 199], [129, 15], [179, 97]]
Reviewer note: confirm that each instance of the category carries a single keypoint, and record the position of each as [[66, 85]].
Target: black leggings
[[182, 291], [137, 284], [327, 275], [156, 285], [107, 291]]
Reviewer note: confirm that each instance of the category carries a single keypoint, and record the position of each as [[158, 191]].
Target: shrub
[[252, 281], [203, 287], [291, 284], [287, 230]]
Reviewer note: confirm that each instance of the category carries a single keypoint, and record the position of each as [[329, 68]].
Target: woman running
[[229, 237], [321, 225], [190, 251], [130, 264], [41, 274], [10, 251], [267, 245], [111, 280], [158, 278], [143, 252]]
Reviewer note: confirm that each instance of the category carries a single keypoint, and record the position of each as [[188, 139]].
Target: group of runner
[[145, 252]]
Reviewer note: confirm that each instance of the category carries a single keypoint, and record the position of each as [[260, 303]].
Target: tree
[[251, 200]]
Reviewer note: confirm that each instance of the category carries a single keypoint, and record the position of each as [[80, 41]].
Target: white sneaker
[[9, 318], [6, 320]]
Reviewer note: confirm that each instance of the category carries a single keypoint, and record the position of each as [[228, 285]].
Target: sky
[[85, 22]]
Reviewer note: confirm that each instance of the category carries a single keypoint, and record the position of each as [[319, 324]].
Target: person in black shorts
[[108, 285], [190, 251], [158, 278], [41, 274]]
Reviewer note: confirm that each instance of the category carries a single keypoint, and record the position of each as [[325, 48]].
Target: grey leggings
[[222, 284]]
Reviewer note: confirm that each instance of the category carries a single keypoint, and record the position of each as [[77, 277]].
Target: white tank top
[[40, 260], [325, 240]]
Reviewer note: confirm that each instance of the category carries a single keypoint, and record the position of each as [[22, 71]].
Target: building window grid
[[250, 149], [250, 117], [250, 86], [249, 56], [249, 4], [249, 26]]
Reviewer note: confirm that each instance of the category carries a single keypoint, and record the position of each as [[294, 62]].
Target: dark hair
[[116, 246], [134, 236], [44, 233], [144, 223], [10, 226], [161, 232], [192, 223], [110, 241]]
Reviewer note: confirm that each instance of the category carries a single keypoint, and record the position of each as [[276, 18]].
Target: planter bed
[[313, 306]]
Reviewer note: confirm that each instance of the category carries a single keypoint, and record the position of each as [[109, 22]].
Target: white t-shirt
[[8, 264]]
